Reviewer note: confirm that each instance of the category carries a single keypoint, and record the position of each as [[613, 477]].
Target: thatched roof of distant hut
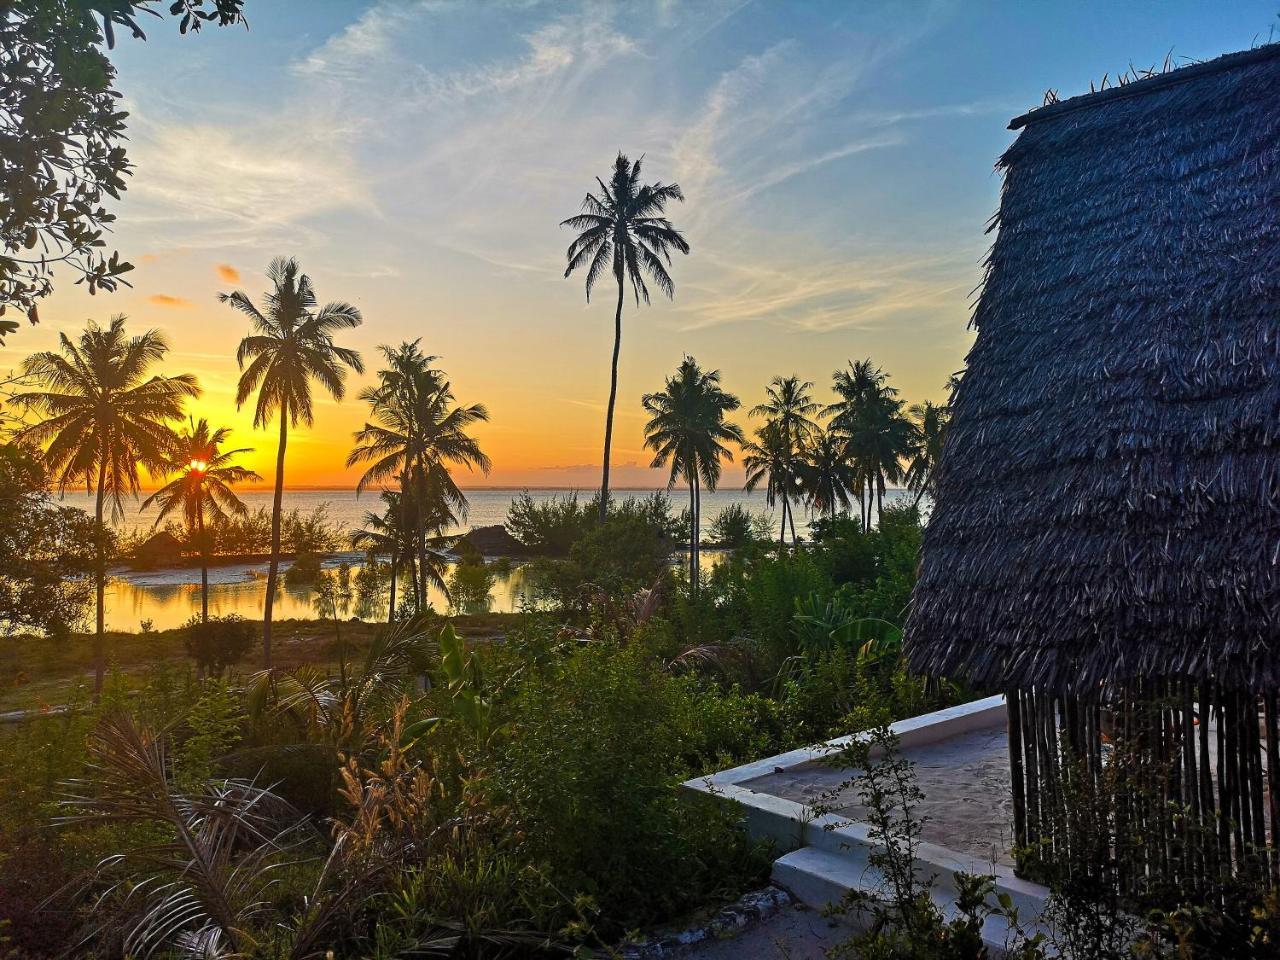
[[495, 541], [1109, 499], [158, 549]]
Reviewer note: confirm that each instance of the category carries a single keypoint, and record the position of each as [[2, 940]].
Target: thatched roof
[[1109, 498], [161, 547], [495, 541]]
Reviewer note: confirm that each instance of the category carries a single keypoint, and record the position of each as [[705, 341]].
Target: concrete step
[[821, 878]]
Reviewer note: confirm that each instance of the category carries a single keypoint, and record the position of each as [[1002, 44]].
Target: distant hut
[[161, 549], [492, 541], [1105, 544]]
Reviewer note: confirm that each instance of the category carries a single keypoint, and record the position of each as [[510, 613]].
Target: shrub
[[220, 642], [732, 526], [304, 569], [549, 527], [603, 738], [469, 586]]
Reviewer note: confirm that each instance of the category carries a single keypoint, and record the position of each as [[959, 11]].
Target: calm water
[[169, 597]]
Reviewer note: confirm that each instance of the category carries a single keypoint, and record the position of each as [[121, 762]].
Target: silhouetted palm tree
[[688, 431], [418, 430], [623, 229], [868, 417], [104, 418], [386, 534], [930, 427], [290, 344], [826, 474], [789, 406], [770, 459], [201, 487]]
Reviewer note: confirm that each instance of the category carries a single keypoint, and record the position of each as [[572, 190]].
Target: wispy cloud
[[171, 302], [227, 273]]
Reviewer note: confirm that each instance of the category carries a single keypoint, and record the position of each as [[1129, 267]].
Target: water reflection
[[169, 598]]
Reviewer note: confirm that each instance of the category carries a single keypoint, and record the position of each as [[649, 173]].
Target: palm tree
[[928, 427], [770, 459], [385, 534], [826, 474], [789, 405], [687, 429], [202, 487], [290, 344], [417, 431], [103, 419], [868, 417], [624, 228]]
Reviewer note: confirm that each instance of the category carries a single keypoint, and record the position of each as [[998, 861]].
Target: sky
[[417, 157]]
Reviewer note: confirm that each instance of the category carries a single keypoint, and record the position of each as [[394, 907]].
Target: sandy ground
[[794, 933], [965, 780]]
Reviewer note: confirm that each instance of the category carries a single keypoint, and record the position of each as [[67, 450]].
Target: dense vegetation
[[527, 797]]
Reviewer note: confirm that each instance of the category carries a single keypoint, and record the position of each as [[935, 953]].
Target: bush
[[304, 569], [604, 739], [549, 527], [735, 526], [219, 643], [469, 586]]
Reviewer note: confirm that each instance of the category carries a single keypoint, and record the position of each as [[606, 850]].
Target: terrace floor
[[965, 780]]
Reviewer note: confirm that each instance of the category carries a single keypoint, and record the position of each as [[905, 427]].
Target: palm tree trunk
[[879, 496], [791, 519], [100, 583], [204, 567], [273, 568], [697, 522], [782, 527], [693, 526], [391, 607], [613, 396]]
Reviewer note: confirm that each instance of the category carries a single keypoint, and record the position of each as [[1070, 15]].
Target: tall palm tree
[[623, 228], [789, 406], [930, 426], [826, 474], [770, 459], [289, 345], [417, 431], [687, 430], [203, 475], [104, 417]]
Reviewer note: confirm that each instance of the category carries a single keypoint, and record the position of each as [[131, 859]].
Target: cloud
[[173, 303], [228, 273]]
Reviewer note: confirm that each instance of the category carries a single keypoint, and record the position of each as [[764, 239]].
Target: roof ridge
[[1135, 88]]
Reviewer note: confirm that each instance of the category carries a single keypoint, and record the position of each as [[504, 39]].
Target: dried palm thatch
[[1108, 501], [1105, 543]]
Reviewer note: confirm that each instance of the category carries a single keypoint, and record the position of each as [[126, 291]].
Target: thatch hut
[[1107, 521], [161, 549]]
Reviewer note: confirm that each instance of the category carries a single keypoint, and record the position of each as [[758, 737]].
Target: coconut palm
[[868, 417], [688, 431], [417, 431], [203, 475], [826, 475], [770, 459], [289, 346], [103, 419], [930, 426], [789, 405], [623, 228], [385, 534]]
